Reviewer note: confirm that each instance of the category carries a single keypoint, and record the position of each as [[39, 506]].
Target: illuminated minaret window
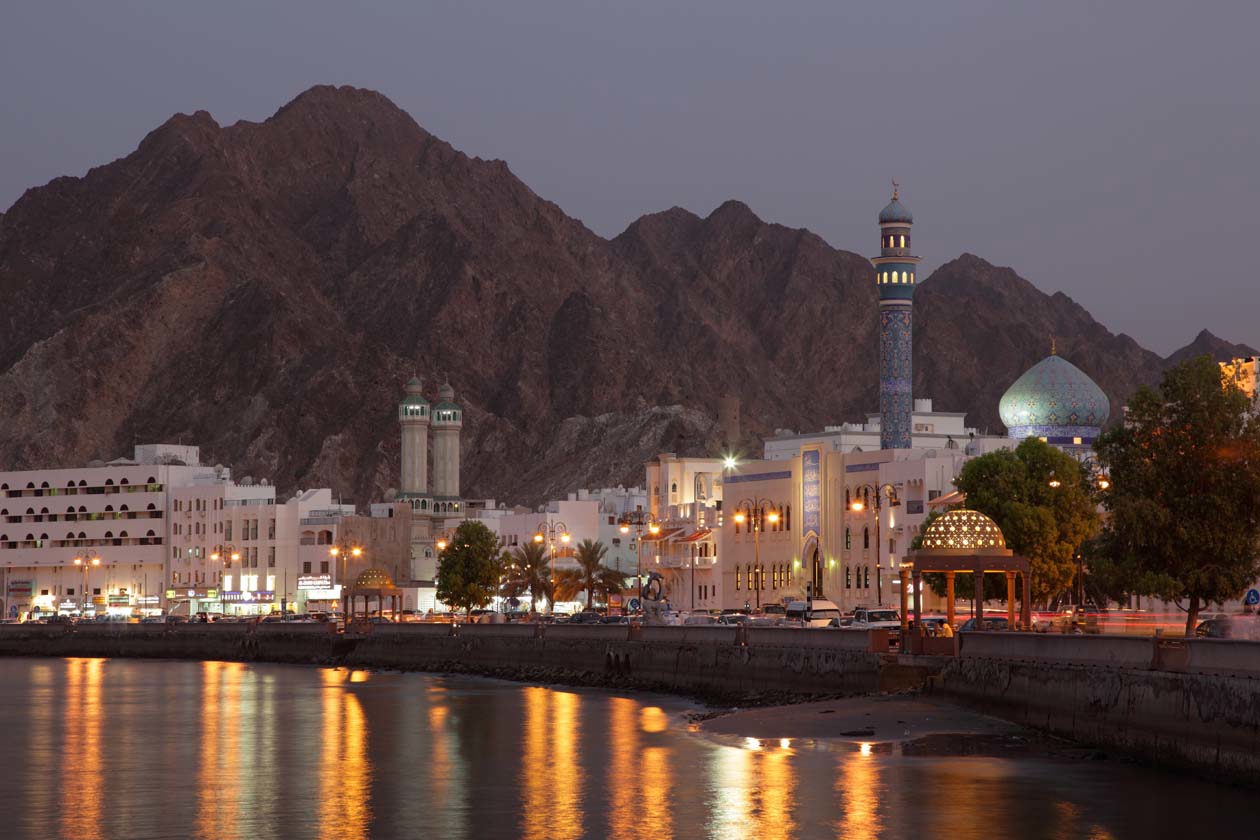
[[895, 278], [413, 416]]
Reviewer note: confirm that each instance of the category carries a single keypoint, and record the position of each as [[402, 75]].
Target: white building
[[930, 430], [161, 532]]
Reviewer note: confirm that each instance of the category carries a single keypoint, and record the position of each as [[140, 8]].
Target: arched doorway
[[816, 573]]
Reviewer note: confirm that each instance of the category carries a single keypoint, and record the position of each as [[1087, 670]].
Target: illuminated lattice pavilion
[[374, 578], [964, 532]]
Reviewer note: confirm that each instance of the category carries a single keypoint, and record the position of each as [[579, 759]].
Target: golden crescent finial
[[1053, 349], [896, 186]]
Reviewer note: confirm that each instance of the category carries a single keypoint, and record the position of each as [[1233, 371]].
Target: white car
[[875, 618], [817, 613]]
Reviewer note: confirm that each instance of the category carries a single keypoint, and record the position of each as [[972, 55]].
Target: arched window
[[152, 480], [124, 481], [123, 507], [82, 535], [30, 537], [109, 535], [866, 538], [30, 511], [866, 574], [109, 508], [847, 499], [69, 535], [150, 534], [122, 534], [4, 537], [903, 240], [151, 506], [30, 485], [43, 536], [82, 509], [848, 577], [787, 517], [848, 540], [109, 482]]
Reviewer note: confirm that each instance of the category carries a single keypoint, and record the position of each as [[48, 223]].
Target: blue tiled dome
[[895, 212], [1056, 400]]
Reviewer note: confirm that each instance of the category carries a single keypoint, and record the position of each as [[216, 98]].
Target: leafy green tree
[[1184, 470], [468, 568], [527, 570], [1038, 495], [591, 575]]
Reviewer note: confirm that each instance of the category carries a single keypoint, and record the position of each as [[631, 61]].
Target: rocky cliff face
[[264, 289]]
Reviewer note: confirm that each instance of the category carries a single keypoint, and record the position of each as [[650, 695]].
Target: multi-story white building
[[160, 532]]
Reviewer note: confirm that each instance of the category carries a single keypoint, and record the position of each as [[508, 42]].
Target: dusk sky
[[1108, 150]]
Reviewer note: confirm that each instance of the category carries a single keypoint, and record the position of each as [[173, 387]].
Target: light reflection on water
[[102, 749]]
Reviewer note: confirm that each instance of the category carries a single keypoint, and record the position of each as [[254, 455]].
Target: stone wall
[[1187, 702]]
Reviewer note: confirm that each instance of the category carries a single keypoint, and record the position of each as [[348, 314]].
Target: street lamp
[[639, 521], [753, 511], [88, 559], [226, 555], [344, 551], [878, 490], [549, 532]]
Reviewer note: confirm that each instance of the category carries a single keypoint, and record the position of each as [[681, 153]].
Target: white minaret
[[448, 418], [413, 415]]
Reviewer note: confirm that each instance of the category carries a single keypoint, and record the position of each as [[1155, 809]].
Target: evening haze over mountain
[[1103, 150], [266, 288]]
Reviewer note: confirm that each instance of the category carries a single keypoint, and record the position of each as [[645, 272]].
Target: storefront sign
[[148, 600], [68, 606], [21, 588], [333, 594], [811, 492], [246, 597], [314, 582], [186, 594], [120, 600]]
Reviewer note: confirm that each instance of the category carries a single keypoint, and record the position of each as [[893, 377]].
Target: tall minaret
[[894, 275], [448, 418], [413, 416]]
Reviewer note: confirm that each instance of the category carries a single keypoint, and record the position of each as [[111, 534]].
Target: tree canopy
[[527, 570], [468, 568], [1038, 495], [1184, 495], [591, 575]]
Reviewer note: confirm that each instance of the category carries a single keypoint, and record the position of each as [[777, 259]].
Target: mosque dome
[[964, 532], [373, 578], [447, 396], [895, 211], [1055, 400]]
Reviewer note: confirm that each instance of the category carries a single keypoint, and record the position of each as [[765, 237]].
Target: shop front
[[189, 602], [250, 602], [317, 593]]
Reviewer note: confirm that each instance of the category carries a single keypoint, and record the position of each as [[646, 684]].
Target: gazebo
[[965, 541], [372, 583]]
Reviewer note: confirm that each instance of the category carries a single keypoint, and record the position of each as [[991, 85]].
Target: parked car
[[733, 619], [816, 613], [615, 619], [988, 623], [875, 618], [774, 609], [699, 619], [585, 617]]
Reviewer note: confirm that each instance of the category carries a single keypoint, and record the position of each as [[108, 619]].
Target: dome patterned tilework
[[373, 579], [963, 530], [1053, 394]]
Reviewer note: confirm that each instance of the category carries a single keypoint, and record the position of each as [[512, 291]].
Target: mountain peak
[[1205, 343]]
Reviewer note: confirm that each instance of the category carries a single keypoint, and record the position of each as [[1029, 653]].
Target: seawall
[[714, 663], [1176, 702]]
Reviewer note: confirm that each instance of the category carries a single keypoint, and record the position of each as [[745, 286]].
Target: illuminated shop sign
[[246, 597], [314, 582]]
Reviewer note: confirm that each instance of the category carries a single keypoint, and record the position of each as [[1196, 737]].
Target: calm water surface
[[133, 749]]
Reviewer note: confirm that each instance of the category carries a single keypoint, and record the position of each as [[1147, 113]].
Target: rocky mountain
[[264, 290], [1206, 344]]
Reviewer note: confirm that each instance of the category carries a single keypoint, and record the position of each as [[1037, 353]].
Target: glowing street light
[[89, 559]]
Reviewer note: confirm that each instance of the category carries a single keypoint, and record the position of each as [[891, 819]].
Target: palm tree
[[591, 574], [527, 569]]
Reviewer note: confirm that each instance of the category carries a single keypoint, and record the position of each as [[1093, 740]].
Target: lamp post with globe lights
[[639, 521], [550, 533], [344, 551], [225, 555], [858, 504], [756, 513], [87, 560]]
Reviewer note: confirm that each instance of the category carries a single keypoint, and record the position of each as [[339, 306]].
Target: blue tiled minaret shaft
[[895, 278]]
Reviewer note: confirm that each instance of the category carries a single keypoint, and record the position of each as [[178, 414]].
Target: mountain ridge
[[265, 288]]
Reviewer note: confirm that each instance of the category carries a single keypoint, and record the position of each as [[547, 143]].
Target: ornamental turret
[[895, 278], [448, 419], [413, 416]]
